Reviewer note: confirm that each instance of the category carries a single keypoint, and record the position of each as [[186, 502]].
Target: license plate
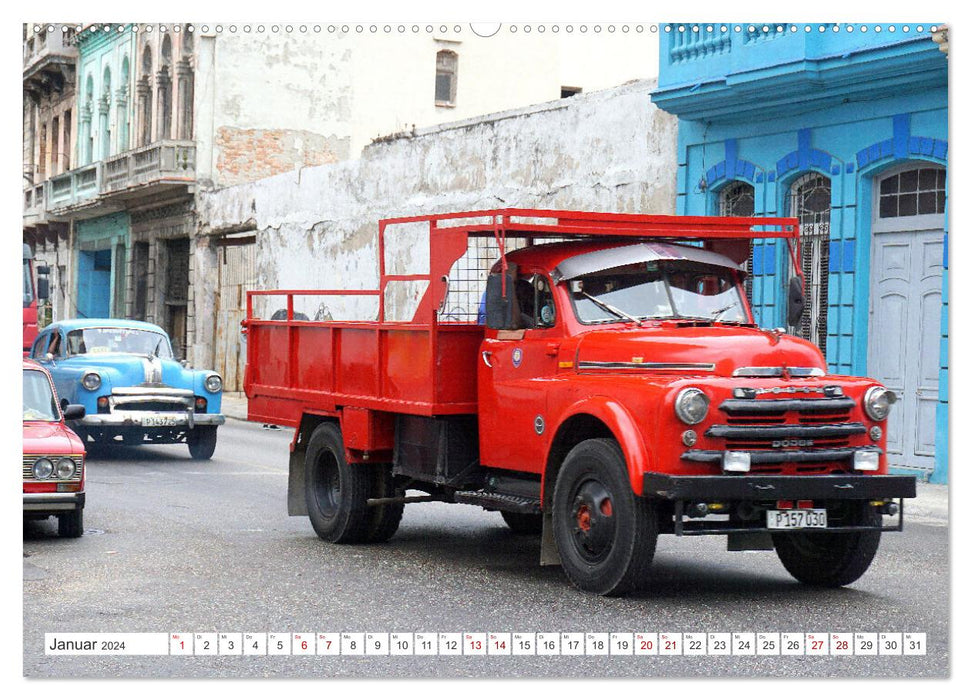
[[795, 519], [158, 421]]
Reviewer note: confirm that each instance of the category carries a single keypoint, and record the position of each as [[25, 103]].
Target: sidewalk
[[929, 507]]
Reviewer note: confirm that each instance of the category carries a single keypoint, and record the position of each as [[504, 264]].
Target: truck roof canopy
[[606, 259]]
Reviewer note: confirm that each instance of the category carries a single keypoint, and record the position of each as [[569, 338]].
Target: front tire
[[605, 533], [202, 441], [831, 559], [337, 492], [71, 524]]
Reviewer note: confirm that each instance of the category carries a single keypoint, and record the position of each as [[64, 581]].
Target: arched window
[[446, 77], [163, 91], [144, 90], [121, 106], [86, 140], [738, 199], [186, 88], [810, 200], [104, 108]]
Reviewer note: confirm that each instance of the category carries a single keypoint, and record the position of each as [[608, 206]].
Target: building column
[[104, 132], [84, 136], [121, 114], [184, 78], [163, 111], [143, 96]]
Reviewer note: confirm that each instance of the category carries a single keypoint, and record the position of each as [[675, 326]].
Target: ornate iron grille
[[810, 200], [738, 199]]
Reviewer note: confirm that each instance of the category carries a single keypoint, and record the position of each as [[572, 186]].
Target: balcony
[[49, 61], [767, 69], [34, 205], [108, 186], [160, 164]]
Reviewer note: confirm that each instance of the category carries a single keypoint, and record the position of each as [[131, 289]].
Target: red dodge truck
[[596, 378]]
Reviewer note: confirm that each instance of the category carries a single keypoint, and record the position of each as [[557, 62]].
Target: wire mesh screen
[[467, 279]]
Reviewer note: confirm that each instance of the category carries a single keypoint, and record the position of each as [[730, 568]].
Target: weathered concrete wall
[[608, 151]]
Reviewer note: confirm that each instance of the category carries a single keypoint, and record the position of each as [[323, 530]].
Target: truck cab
[[612, 387]]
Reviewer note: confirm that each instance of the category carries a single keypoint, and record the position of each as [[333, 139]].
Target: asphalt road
[[175, 545]]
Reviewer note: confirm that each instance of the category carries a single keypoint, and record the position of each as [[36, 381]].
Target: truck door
[[514, 371]]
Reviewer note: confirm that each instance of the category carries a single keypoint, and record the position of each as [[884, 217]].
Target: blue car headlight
[[91, 381], [213, 383]]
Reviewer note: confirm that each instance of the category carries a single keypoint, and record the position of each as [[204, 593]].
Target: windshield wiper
[[611, 309], [716, 315]]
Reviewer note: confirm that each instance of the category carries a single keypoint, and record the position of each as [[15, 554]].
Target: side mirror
[[74, 411], [43, 288], [797, 301], [49, 357], [500, 309]]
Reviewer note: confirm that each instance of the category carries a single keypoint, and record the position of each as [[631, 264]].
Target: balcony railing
[[74, 187], [694, 53], [100, 185], [157, 162], [43, 47]]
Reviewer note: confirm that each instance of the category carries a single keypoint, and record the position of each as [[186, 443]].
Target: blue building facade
[[846, 128]]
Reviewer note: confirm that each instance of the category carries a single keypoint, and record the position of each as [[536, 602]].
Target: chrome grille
[[771, 428], [29, 466]]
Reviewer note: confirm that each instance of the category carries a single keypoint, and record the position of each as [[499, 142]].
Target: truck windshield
[[38, 397], [28, 285], [128, 340], [669, 289]]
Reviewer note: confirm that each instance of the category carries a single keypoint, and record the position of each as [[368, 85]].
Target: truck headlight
[[65, 468], [91, 381], [877, 402], [213, 383], [43, 468], [691, 405]]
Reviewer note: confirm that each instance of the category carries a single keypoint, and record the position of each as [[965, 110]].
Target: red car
[[53, 455]]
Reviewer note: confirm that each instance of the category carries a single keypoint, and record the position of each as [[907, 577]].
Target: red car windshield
[[39, 401]]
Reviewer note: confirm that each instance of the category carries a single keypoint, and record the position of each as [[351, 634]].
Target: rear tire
[[202, 441], [605, 533], [71, 524], [831, 559], [337, 492], [383, 520], [523, 523]]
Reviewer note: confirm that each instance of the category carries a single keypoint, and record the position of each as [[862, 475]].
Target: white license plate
[[159, 421], [795, 519]]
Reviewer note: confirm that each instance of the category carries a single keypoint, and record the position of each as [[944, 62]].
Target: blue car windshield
[[39, 401], [84, 341]]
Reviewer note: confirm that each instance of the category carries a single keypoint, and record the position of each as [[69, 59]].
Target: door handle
[[485, 358]]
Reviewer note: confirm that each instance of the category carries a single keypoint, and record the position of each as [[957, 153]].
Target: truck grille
[[150, 405], [803, 434]]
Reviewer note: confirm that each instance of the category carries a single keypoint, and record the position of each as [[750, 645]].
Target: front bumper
[[749, 488], [151, 419], [748, 497], [53, 502]]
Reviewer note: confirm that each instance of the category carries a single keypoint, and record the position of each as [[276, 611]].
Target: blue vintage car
[[132, 388]]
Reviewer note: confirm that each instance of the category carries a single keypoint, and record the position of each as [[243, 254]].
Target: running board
[[492, 500]]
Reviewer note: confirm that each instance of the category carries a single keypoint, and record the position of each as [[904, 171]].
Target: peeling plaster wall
[[284, 99], [317, 227]]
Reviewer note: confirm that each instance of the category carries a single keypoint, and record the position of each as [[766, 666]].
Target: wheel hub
[[594, 523]]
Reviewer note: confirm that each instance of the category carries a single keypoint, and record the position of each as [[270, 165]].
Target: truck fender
[[623, 428]]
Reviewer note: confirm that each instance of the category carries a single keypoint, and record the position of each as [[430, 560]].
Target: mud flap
[[549, 555], [750, 541]]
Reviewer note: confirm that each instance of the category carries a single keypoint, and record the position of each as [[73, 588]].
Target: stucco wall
[[608, 151]]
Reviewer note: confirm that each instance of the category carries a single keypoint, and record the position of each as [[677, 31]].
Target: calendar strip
[[403, 644]]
